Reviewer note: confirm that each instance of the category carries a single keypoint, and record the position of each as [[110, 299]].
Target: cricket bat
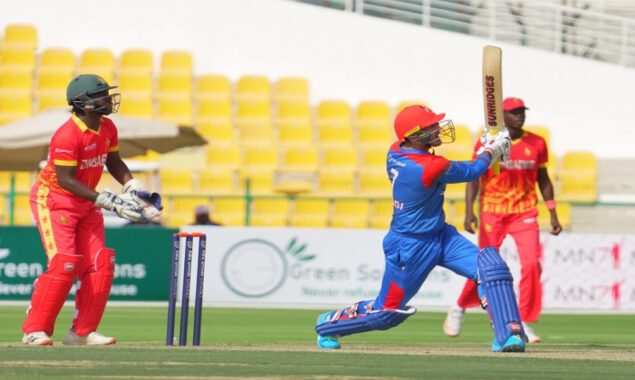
[[493, 92]]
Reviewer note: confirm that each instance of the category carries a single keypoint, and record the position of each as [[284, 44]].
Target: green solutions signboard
[[141, 271]]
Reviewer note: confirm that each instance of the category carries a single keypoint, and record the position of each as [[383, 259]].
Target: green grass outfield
[[272, 343]]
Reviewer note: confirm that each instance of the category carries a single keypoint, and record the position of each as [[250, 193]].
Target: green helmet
[[82, 86]]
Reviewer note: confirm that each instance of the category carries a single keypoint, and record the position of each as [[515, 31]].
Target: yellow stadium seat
[[374, 183], [135, 81], [340, 159], [51, 88], [17, 58], [299, 160], [229, 211], [269, 212], [213, 87], [381, 213], [253, 88], [137, 104], [350, 213], [223, 157], [457, 151], [176, 220], [310, 212], [138, 60], [20, 36], [336, 112], [4, 210], [372, 113], [177, 61], [259, 133], [22, 215], [17, 82], [295, 133], [405, 103], [176, 181], [174, 83], [50, 100], [334, 134], [260, 182], [578, 177], [463, 134], [374, 158], [252, 115], [292, 89], [187, 205], [62, 59], [376, 135], [14, 107], [213, 111], [334, 183], [457, 214], [217, 133], [97, 61], [288, 112], [216, 181], [260, 158], [22, 181], [176, 110]]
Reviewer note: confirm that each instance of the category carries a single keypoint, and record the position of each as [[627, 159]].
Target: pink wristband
[[551, 204]]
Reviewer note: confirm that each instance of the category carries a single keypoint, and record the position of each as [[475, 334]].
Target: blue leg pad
[[497, 285], [335, 326]]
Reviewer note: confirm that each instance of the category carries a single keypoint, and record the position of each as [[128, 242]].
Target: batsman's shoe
[[92, 339], [531, 335], [513, 344], [327, 342], [37, 338], [454, 321]]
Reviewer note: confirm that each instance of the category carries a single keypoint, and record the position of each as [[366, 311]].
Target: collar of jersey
[[82, 126], [514, 142], [411, 150]]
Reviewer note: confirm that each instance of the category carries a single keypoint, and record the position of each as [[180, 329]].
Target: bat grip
[[495, 166]]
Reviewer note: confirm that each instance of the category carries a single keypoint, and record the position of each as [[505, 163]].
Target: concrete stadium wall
[[353, 57]]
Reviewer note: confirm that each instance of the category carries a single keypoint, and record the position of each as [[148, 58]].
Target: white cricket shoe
[[531, 335], [92, 339], [37, 338], [453, 322]]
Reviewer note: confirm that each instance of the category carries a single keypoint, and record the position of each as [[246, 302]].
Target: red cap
[[510, 104], [413, 119]]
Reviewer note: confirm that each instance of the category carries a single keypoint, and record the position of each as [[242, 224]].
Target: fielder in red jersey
[[508, 206], [67, 211]]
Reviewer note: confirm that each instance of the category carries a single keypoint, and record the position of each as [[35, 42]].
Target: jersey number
[[395, 174]]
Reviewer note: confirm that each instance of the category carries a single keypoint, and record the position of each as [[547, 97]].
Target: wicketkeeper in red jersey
[[67, 210], [508, 206]]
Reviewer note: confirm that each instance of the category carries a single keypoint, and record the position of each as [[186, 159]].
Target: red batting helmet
[[414, 118]]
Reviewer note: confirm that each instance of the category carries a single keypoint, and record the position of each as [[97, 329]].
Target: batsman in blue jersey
[[419, 238]]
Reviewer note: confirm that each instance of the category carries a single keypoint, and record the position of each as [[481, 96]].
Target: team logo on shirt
[[527, 151], [93, 162], [63, 219]]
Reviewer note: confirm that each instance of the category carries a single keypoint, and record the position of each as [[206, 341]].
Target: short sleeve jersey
[[514, 189], [74, 144]]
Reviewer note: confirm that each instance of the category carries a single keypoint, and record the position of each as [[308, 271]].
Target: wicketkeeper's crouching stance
[[67, 211], [419, 239]]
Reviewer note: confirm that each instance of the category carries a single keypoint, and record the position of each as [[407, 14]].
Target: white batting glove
[[497, 145], [126, 209], [133, 185]]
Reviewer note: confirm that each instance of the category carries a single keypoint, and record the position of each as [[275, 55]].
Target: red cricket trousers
[[523, 228]]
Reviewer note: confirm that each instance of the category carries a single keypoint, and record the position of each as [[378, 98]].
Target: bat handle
[[496, 168]]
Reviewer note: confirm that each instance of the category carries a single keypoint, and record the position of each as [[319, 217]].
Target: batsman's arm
[[118, 168]]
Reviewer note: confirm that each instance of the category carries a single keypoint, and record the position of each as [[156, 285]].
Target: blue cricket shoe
[[327, 342], [513, 344]]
